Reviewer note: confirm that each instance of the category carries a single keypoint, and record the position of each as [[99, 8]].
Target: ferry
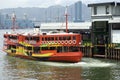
[[52, 46]]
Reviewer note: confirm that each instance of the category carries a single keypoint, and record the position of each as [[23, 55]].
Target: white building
[[105, 24], [78, 11]]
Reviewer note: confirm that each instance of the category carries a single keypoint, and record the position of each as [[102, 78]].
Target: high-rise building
[[1, 21], [78, 11], [7, 23]]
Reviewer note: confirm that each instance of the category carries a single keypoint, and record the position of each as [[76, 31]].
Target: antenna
[[13, 21], [66, 15]]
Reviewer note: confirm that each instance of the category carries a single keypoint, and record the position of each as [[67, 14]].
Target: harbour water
[[12, 68]]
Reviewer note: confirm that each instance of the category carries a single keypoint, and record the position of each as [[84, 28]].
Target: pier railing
[[112, 51], [86, 49]]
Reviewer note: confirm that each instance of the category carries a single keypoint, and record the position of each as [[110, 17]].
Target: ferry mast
[[13, 21], [66, 15]]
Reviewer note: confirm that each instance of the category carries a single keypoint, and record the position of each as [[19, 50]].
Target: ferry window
[[64, 38], [74, 37], [13, 46], [65, 48], [30, 38], [95, 10], [46, 38], [5, 36], [116, 26], [13, 37], [44, 48], [68, 38], [36, 39], [52, 38], [13, 51], [107, 9], [9, 47], [60, 38], [52, 48], [36, 49], [26, 38], [29, 48], [74, 49], [9, 36], [56, 38], [59, 49], [42, 38]]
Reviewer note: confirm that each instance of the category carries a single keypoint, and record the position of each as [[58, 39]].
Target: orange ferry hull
[[67, 57], [57, 57]]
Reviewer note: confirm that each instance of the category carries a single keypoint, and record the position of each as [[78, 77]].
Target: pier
[[111, 52], [105, 31]]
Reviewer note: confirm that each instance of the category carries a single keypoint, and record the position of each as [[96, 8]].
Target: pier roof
[[81, 25]]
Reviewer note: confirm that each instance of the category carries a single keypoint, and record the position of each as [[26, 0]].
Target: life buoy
[[62, 42], [74, 41], [70, 41], [66, 42], [58, 42], [55, 42], [47, 42], [52, 42], [43, 42]]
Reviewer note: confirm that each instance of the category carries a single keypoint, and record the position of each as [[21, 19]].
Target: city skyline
[[41, 3]]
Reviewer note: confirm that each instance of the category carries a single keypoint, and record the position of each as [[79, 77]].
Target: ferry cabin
[[36, 43]]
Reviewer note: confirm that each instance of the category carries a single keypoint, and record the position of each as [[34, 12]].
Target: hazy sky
[[41, 3]]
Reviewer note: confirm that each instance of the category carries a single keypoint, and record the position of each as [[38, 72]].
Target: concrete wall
[[117, 10], [101, 10]]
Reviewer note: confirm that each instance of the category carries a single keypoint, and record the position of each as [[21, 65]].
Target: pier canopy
[[104, 3], [62, 26]]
